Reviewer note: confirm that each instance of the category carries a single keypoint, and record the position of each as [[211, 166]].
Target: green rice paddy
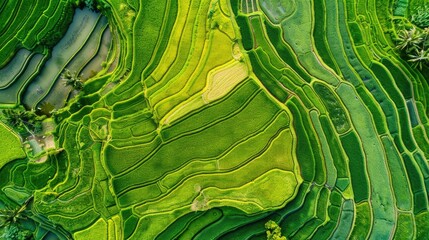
[[214, 119]]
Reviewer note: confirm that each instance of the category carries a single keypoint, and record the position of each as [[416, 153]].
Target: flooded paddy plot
[[30, 78], [85, 63], [79, 31], [12, 94]]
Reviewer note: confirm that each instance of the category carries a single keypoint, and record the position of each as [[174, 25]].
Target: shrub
[[273, 231]]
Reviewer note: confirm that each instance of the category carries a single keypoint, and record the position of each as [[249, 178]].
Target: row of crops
[[221, 119], [363, 103]]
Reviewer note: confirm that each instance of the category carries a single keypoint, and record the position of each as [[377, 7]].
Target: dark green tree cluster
[[14, 232], [93, 5], [274, 232], [23, 121], [46, 108]]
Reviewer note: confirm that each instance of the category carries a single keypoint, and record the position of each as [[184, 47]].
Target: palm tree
[[11, 222], [425, 34], [8, 216], [409, 40], [71, 79], [419, 59]]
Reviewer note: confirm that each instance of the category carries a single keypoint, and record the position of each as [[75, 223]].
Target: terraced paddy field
[[214, 119]]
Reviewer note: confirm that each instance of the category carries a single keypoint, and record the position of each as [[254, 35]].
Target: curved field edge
[[354, 112], [75, 184]]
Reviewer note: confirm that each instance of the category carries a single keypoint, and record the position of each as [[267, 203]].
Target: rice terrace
[[214, 119]]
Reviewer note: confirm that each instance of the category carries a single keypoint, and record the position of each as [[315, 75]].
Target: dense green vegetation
[[22, 121], [214, 119], [10, 146]]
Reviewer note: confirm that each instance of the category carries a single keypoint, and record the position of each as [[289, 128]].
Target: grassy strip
[[328, 166], [181, 224], [345, 222], [246, 34], [10, 146], [96, 231], [405, 227], [401, 79], [363, 221], [8, 13], [266, 143], [379, 119], [213, 112], [198, 169], [338, 45], [357, 170], [38, 175], [171, 74], [234, 224], [267, 79], [399, 178], [62, 167], [305, 213], [181, 45], [262, 42], [319, 35], [420, 137], [57, 24], [356, 34], [417, 185], [336, 111], [375, 162], [339, 157], [177, 93], [14, 68], [386, 80], [170, 15], [20, 17], [304, 152], [221, 136], [310, 228], [197, 225], [275, 36], [421, 221], [147, 28], [38, 11]]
